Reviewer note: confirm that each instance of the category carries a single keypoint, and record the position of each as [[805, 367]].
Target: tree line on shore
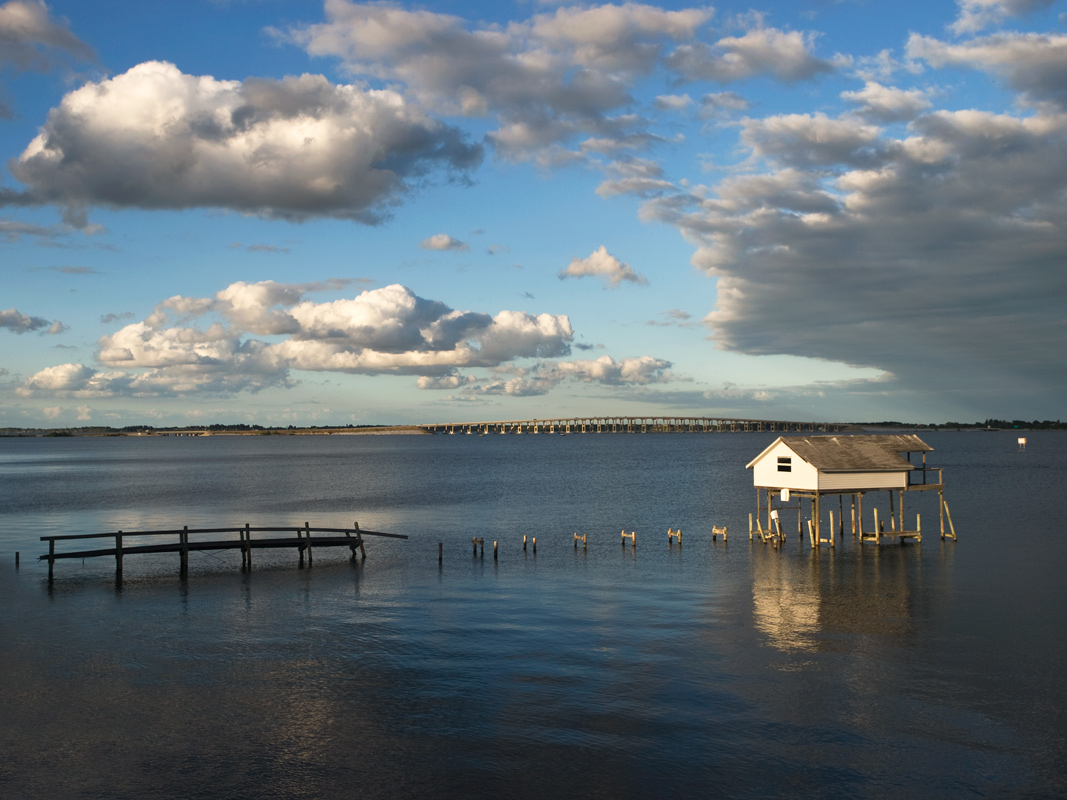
[[128, 430]]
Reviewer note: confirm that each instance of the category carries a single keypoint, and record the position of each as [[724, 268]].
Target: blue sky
[[339, 212]]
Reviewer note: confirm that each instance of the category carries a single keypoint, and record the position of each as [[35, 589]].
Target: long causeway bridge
[[565, 425]]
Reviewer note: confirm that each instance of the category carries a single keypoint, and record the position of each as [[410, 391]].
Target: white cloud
[[785, 55], [553, 77], [30, 36], [17, 322], [978, 14], [293, 149], [720, 103], [600, 263], [888, 104], [673, 102], [807, 140], [442, 382], [382, 331], [442, 241], [543, 378], [634, 176], [1034, 64]]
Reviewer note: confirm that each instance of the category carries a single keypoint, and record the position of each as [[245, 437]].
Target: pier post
[[184, 560], [440, 552], [494, 551], [52, 557], [359, 536], [118, 556], [307, 536], [941, 510], [16, 559], [951, 527], [535, 545]]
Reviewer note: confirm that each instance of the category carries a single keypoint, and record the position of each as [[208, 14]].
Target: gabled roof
[[875, 453]]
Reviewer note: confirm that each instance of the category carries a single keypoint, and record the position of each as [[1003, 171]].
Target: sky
[[332, 213]]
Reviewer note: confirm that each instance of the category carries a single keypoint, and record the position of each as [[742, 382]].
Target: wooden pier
[[300, 538]]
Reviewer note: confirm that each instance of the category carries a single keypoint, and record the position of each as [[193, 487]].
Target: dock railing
[[302, 539]]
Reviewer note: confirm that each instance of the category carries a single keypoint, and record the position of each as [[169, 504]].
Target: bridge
[[565, 425]]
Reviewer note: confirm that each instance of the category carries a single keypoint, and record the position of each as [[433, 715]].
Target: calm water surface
[[704, 670]]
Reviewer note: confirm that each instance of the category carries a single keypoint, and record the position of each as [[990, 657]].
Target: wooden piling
[[184, 558], [359, 537], [584, 538], [52, 557], [674, 534], [307, 539], [632, 536], [951, 527], [440, 552], [535, 545], [16, 559], [716, 530], [118, 556]]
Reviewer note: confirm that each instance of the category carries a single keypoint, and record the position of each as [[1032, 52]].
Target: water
[[703, 670]]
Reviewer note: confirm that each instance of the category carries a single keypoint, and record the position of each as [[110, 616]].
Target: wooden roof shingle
[[860, 453]]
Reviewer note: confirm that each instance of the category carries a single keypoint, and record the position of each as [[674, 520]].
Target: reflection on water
[[702, 670], [801, 604]]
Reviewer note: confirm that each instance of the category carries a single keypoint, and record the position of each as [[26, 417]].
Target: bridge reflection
[[565, 425]]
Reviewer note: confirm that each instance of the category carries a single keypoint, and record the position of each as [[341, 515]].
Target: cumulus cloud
[[30, 37], [936, 257], [673, 102], [15, 321], [442, 241], [554, 77], [978, 14], [382, 331], [443, 382], [811, 140], [636, 176], [719, 103], [888, 104], [785, 55], [297, 148], [543, 378], [601, 264], [1034, 64]]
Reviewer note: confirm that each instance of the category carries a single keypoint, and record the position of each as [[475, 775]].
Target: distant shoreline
[[384, 430]]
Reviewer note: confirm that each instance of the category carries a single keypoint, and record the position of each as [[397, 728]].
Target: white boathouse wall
[[801, 476]]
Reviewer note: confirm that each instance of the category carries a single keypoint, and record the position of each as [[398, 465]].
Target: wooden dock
[[305, 539]]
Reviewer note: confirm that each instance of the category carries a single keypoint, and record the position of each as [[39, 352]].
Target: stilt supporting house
[[796, 469]]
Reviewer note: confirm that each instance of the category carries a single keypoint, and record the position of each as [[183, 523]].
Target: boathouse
[[813, 467]]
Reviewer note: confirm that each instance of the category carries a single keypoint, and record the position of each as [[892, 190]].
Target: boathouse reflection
[[811, 602]]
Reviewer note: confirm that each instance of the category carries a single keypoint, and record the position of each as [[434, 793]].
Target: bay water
[[706, 669]]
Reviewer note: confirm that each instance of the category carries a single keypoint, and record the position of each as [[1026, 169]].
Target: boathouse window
[[785, 464]]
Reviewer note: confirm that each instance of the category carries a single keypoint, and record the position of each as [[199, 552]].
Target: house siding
[[852, 481]]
